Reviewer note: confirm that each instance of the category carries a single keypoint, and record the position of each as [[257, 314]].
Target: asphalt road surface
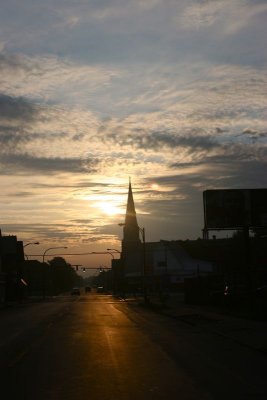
[[96, 347]]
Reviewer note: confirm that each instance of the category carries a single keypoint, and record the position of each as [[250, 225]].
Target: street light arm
[[115, 250], [27, 244], [52, 248], [108, 252]]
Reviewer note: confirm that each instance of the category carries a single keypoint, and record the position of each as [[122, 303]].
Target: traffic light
[[76, 266]]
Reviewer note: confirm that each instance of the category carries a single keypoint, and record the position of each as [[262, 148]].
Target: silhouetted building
[[11, 260], [131, 243], [169, 263], [204, 265], [155, 264]]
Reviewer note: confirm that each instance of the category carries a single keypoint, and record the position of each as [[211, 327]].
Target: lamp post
[[44, 254], [52, 248], [28, 244], [113, 267], [143, 234], [165, 282]]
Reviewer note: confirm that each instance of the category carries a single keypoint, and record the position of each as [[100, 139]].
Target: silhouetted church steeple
[[131, 246], [131, 229]]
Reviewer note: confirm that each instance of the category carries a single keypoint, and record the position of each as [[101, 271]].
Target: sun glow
[[109, 204], [109, 208], [155, 186]]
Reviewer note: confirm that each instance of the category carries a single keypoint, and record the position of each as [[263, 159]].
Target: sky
[[172, 93]]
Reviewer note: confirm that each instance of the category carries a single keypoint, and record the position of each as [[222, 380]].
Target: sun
[[110, 204], [108, 208], [154, 186]]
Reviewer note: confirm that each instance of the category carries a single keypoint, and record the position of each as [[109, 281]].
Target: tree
[[61, 277]]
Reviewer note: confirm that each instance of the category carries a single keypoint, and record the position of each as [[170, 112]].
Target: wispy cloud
[[48, 78], [229, 16], [24, 163], [17, 109]]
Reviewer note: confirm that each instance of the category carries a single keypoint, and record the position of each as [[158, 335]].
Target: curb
[[204, 320]]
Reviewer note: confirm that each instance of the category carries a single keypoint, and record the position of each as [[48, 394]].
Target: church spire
[[130, 217], [131, 229]]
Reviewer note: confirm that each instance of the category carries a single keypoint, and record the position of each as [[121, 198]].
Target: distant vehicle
[[87, 289], [75, 291], [100, 289]]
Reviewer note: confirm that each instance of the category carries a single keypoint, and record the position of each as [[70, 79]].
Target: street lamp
[[166, 245], [28, 244], [52, 248], [115, 268], [103, 252], [143, 234]]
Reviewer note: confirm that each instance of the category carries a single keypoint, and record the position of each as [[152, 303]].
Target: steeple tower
[[131, 229], [131, 246]]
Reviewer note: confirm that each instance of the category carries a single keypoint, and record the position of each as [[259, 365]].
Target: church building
[[132, 248], [154, 264]]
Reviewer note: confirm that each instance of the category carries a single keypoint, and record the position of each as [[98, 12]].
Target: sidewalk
[[241, 329]]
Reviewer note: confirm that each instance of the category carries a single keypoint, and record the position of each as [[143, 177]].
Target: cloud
[[201, 117], [226, 153], [101, 238], [43, 231], [157, 141], [77, 184], [82, 221], [17, 116], [47, 77], [17, 109], [20, 194], [254, 134], [27, 127], [202, 13], [230, 16], [24, 163]]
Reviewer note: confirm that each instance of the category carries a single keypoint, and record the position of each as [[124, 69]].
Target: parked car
[[100, 289], [75, 292]]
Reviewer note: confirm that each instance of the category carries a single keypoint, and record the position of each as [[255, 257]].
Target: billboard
[[235, 208], [259, 208]]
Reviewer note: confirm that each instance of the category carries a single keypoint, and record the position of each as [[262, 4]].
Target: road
[[96, 347]]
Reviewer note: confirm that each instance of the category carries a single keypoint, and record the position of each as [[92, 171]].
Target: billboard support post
[[248, 258]]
